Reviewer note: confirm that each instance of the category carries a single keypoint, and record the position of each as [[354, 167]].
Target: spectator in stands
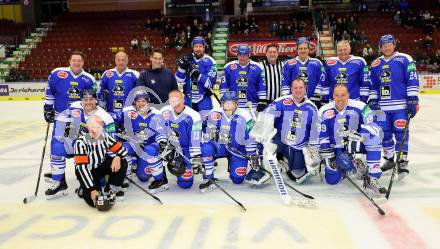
[[367, 53], [208, 48], [145, 44], [346, 36], [428, 42], [134, 43], [157, 78], [167, 43], [189, 35], [148, 24], [397, 19], [274, 28], [242, 6]]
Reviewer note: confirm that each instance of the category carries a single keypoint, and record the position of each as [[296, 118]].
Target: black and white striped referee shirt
[[273, 74], [90, 153]]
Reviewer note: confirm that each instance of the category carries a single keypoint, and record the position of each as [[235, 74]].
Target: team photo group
[[300, 118]]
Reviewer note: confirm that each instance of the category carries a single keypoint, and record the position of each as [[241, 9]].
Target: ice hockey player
[[92, 163], [308, 69], [296, 119], [197, 73], [116, 83], [140, 127], [396, 87], [183, 129], [349, 129], [346, 69], [227, 136], [246, 78], [68, 125]]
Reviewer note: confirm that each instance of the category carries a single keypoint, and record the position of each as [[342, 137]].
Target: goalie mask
[[229, 102], [105, 202]]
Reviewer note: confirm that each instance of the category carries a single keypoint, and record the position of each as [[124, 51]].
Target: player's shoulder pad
[[357, 104], [358, 58], [376, 62], [91, 77], [290, 62], [327, 111], [244, 113], [406, 56], [105, 116], [166, 108], [331, 61], [216, 109], [285, 100], [134, 72], [195, 116], [108, 73], [155, 111], [207, 57], [232, 65], [309, 104], [254, 63], [315, 61], [59, 69]]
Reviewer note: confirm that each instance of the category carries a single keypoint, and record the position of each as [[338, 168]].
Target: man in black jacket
[[157, 78]]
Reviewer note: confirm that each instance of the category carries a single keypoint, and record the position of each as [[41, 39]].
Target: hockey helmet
[[142, 95], [106, 201], [243, 49], [88, 93], [302, 40], [198, 39], [387, 39], [229, 96]]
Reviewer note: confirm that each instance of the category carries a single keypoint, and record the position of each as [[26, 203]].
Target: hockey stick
[[32, 197], [390, 185], [213, 181], [143, 190], [381, 212]]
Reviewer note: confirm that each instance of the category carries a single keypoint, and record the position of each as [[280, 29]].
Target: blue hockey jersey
[[64, 88], [296, 123], [354, 72], [311, 71], [236, 127], [247, 81], [118, 86], [208, 77], [185, 127], [356, 116], [393, 80], [145, 129]]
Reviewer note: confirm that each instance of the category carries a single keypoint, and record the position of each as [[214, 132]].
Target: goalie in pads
[[295, 117]]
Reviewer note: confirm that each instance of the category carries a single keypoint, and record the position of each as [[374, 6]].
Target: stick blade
[[28, 199]]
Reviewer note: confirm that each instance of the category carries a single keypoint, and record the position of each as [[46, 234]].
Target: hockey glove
[[328, 155], [255, 161], [353, 142], [412, 104], [208, 92], [374, 104], [195, 76], [185, 62], [262, 104], [49, 114]]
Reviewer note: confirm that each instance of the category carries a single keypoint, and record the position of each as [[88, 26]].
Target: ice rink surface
[[189, 219]]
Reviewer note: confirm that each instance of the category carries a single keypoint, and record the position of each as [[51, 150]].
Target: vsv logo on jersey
[[109, 74], [216, 116], [241, 171], [62, 74], [400, 123], [132, 114]]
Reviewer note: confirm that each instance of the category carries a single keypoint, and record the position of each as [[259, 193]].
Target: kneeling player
[[295, 118], [227, 136], [145, 139], [349, 129], [183, 128], [67, 126], [92, 164]]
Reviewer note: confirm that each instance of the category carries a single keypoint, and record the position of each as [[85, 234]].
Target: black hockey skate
[[58, 189], [207, 185], [402, 169], [158, 185], [388, 164]]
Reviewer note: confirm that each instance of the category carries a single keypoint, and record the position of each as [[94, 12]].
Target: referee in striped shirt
[[92, 162], [273, 70]]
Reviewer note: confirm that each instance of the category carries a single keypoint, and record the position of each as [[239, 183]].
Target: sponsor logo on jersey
[[241, 171], [331, 62], [109, 74], [187, 175], [132, 114], [62, 74], [400, 123], [288, 102], [148, 170], [174, 125], [329, 114], [376, 166], [216, 116], [143, 124], [76, 113], [375, 63], [291, 62], [233, 66]]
